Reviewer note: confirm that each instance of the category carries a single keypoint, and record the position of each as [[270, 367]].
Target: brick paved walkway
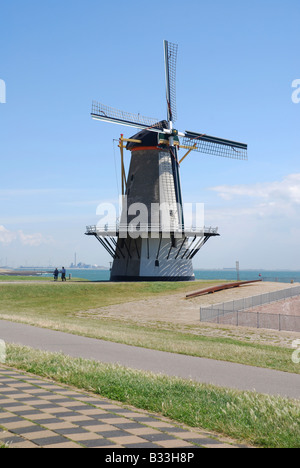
[[35, 412]]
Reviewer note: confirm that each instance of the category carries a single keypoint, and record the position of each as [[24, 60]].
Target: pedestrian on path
[[63, 274]]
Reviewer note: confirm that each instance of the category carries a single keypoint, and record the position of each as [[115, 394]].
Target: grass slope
[[56, 306]]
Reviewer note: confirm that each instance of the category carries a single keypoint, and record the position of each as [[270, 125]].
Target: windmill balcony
[[143, 230]]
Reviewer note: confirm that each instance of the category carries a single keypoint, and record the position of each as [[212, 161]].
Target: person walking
[[55, 274], [63, 274]]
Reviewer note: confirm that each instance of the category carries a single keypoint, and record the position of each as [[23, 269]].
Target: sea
[[281, 276]]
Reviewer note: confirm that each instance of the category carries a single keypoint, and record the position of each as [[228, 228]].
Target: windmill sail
[[112, 115], [170, 72], [215, 146]]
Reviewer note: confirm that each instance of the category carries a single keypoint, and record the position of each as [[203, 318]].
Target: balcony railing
[[114, 229]]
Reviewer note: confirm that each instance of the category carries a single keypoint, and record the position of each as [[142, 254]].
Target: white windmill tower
[[151, 242]]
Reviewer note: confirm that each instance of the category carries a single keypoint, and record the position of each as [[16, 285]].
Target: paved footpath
[[37, 413], [225, 374]]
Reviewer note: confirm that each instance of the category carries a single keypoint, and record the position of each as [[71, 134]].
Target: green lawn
[[23, 278], [58, 298], [16, 278]]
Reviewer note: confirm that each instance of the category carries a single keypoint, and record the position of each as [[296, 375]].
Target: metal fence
[[238, 312]]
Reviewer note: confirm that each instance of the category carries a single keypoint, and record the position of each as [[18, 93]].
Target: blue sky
[[236, 65]]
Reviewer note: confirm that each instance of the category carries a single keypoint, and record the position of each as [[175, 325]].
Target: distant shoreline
[[41, 271], [51, 269], [102, 274]]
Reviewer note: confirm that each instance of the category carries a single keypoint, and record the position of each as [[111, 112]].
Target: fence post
[[279, 322], [257, 319]]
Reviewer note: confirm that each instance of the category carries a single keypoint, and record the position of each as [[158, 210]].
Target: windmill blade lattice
[[215, 146], [112, 115], [170, 70]]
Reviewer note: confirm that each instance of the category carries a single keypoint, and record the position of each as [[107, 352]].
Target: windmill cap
[[147, 137]]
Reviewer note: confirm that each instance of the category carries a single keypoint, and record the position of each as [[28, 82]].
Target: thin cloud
[[34, 240], [6, 236], [286, 191]]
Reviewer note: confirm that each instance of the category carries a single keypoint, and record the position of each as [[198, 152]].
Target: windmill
[[151, 241]]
